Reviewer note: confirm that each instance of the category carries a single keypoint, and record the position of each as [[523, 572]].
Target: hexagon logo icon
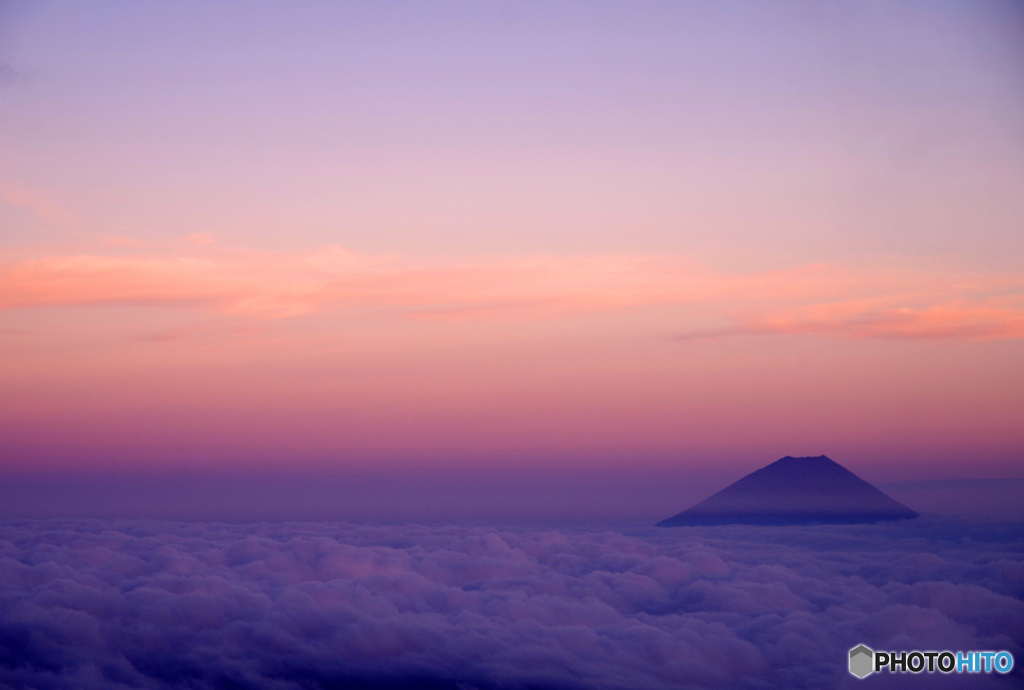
[[861, 661]]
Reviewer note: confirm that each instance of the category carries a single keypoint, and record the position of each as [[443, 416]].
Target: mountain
[[795, 491]]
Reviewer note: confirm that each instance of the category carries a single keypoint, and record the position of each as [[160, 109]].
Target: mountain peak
[[795, 491]]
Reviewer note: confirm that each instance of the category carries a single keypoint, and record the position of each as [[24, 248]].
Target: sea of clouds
[[143, 604]]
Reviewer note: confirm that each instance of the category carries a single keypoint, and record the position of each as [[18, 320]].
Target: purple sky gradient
[[596, 498], [569, 237]]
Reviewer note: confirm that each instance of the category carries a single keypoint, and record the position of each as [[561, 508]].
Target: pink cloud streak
[[993, 318], [880, 301]]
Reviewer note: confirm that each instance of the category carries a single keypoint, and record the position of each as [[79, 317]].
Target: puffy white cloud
[[108, 604]]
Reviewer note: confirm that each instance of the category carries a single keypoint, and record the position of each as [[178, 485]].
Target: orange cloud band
[[882, 301]]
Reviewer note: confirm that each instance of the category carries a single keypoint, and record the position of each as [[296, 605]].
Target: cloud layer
[[859, 302], [95, 604]]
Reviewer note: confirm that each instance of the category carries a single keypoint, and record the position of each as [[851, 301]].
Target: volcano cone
[[795, 491]]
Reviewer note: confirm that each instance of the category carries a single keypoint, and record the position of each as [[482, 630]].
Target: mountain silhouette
[[795, 491]]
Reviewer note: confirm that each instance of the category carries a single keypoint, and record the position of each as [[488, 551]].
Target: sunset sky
[[559, 236]]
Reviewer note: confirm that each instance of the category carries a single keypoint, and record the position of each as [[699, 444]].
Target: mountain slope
[[795, 491]]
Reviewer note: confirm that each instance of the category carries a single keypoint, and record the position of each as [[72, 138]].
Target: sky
[[480, 237]]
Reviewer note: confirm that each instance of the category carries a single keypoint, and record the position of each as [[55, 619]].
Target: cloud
[[984, 318], [95, 604], [884, 301], [275, 285]]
